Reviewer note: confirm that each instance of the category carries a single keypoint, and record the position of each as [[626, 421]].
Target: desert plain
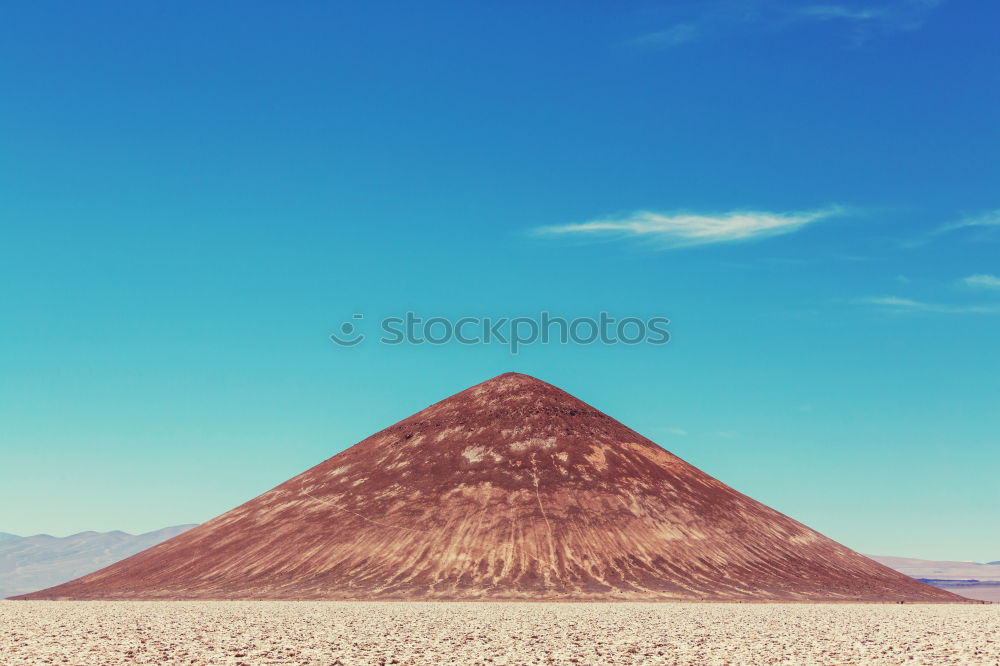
[[327, 633]]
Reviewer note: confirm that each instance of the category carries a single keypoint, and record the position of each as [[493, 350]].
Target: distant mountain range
[[36, 562], [970, 579], [941, 569]]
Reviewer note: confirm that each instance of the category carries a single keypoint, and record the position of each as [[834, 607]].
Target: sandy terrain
[[275, 632]]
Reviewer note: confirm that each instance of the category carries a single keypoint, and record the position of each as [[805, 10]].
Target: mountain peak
[[514, 384], [513, 376], [513, 395]]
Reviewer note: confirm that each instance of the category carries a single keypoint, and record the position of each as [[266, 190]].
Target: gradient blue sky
[[193, 196]]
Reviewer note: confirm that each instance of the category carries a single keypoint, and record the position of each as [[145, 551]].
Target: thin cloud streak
[[988, 219], [715, 19], [675, 35], [983, 280], [674, 230], [985, 222], [899, 305], [825, 12], [901, 15]]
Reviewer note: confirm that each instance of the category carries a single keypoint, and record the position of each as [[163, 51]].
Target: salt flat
[[266, 632]]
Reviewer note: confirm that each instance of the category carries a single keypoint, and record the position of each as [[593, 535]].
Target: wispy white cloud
[[827, 12], [705, 19], [893, 15], [983, 280], [676, 431], [986, 223], [675, 35], [672, 230], [988, 219], [896, 304], [892, 301]]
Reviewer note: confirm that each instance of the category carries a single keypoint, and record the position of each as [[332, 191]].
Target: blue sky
[[193, 196]]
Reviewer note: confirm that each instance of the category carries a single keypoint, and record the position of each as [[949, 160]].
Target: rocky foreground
[[275, 632]]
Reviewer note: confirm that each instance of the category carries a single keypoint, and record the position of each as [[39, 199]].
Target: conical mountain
[[512, 489]]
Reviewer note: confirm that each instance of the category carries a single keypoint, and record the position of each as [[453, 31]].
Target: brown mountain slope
[[512, 489]]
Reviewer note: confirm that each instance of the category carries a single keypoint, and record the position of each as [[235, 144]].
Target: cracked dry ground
[[268, 632]]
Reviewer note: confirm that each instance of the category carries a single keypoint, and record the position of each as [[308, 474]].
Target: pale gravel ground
[[324, 633]]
